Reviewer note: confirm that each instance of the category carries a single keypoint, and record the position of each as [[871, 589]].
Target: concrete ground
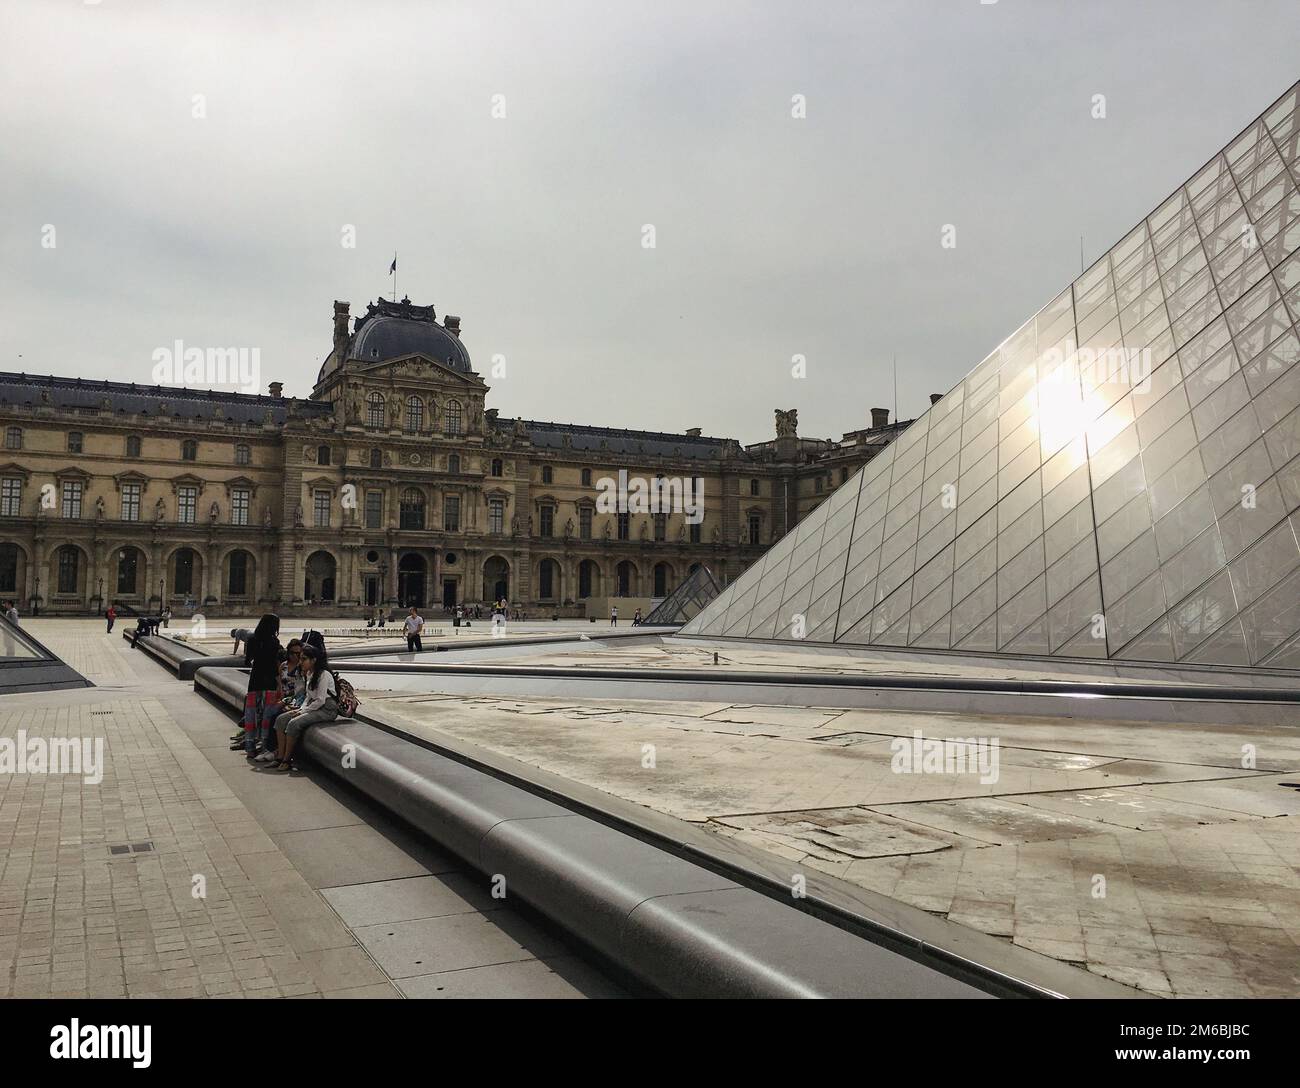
[[1162, 856], [187, 873]]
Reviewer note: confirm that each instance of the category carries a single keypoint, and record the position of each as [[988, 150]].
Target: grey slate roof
[[611, 439], [125, 398]]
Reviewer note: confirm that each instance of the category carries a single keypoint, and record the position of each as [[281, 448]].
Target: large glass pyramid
[[1119, 479]]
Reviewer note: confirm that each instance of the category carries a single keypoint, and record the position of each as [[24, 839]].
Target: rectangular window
[[496, 515], [661, 527], [755, 528], [451, 514], [374, 509], [694, 531], [239, 506], [11, 496], [584, 522], [72, 499], [320, 503], [187, 502], [548, 521], [130, 502], [624, 526]]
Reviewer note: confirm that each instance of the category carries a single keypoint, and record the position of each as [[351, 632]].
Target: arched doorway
[[411, 571], [186, 567], [128, 573], [318, 583], [625, 579], [588, 579], [663, 579], [12, 570], [548, 580], [239, 574], [496, 579]]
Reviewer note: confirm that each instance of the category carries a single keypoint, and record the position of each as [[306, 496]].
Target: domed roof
[[394, 330]]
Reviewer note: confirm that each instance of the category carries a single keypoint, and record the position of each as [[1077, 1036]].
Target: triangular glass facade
[[688, 600], [1119, 479]]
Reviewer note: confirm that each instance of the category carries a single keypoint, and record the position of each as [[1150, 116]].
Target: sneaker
[[237, 745], [267, 757]]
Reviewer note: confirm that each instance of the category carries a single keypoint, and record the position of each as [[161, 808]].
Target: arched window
[[497, 468], [453, 463], [189, 450], [452, 414], [322, 455], [586, 477], [128, 569], [375, 410], [183, 572], [237, 580], [133, 445], [69, 568], [13, 438], [243, 455], [376, 458], [411, 509], [75, 441], [414, 415]]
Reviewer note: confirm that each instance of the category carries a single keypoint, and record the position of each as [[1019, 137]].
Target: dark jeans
[[414, 644]]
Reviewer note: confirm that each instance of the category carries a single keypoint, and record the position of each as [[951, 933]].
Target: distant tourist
[[613, 616], [111, 616], [166, 616], [636, 618], [240, 634], [11, 612], [413, 626]]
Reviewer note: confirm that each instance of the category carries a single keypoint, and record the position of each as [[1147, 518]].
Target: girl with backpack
[[320, 704], [262, 654]]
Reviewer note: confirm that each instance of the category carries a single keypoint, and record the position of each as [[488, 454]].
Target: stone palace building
[[391, 483]]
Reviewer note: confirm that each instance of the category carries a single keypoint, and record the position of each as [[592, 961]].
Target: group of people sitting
[[289, 689]]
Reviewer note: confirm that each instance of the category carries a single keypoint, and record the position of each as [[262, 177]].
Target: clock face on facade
[[415, 458]]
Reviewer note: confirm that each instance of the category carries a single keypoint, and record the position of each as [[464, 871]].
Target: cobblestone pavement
[[1146, 853], [186, 873]]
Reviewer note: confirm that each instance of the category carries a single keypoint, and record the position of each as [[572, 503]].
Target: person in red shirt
[[110, 615]]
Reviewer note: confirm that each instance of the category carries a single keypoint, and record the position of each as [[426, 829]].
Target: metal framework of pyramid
[[1119, 479], [687, 601]]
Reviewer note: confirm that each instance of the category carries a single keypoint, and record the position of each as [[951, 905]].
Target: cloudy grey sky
[[775, 236]]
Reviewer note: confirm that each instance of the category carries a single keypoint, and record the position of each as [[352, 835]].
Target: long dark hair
[[268, 628], [320, 664]]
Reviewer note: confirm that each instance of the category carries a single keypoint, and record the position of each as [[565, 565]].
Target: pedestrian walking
[[111, 616], [413, 626]]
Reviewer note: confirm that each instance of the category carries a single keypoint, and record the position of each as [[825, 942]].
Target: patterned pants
[[257, 705]]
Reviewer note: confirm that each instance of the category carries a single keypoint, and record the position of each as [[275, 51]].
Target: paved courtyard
[[186, 873], [1146, 853]]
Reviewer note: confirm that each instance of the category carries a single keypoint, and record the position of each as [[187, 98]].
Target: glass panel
[[1265, 564]]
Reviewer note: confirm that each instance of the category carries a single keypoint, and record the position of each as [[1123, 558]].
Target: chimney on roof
[[694, 432], [277, 389], [451, 323], [340, 328], [879, 418], [935, 398]]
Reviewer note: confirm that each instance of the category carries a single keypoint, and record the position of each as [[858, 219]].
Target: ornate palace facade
[[392, 483]]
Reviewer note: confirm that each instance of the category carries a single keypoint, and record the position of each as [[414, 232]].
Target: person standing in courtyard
[[262, 655], [413, 626], [613, 616], [110, 615], [11, 612]]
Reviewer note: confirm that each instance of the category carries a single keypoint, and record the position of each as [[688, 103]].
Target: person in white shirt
[[319, 705], [613, 617], [413, 626]]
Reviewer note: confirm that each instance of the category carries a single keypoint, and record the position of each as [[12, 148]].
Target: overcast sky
[[774, 235]]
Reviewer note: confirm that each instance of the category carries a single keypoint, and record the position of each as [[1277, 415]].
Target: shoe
[[267, 757], [236, 745], [283, 766]]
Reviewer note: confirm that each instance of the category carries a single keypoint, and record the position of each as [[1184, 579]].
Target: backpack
[[345, 696]]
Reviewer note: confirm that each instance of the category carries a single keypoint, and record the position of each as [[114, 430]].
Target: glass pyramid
[[687, 601], [1119, 479]]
